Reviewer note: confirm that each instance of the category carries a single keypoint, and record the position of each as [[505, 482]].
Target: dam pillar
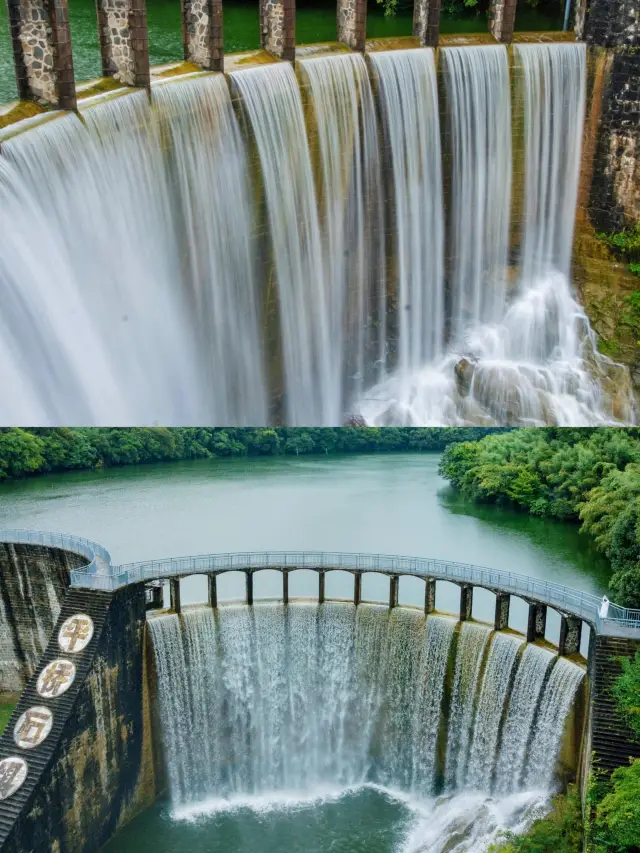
[[154, 597], [124, 41], [278, 28], [502, 20], [466, 601], [536, 622], [174, 594], [352, 23], [248, 579], [42, 56], [285, 587], [430, 595], [320, 587], [202, 33], [426, 21], [212, 591], [570, 635], [394, 581], [503, 602], [357, 588]]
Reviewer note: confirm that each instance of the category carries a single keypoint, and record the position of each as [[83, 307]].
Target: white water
[[170, 264], [270, 706]]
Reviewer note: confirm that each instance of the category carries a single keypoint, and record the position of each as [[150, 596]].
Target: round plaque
[[56, 678], [33, 727], [13, 772], [76, 633]]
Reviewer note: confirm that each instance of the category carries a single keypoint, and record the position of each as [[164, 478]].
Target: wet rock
[[464, 371]]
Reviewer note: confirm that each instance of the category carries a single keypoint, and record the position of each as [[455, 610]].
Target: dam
[[305, 235], [259, 703]]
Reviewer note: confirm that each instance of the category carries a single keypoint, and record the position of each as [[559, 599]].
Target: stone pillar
[[174, 594], [502, 20], [611, 23], [357, 588], [501, 620], [278, 28], [570, 635], [321, 587], [536, 622], [466, 602], [42, 51], [393, 591], [212, 591], [202, 33], [352, 23], [426, 21], [430, 595], [248, 576], [124, 42], [285, 587]]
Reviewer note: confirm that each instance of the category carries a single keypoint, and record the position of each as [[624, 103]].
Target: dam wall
[[94, 769], [33, 582]]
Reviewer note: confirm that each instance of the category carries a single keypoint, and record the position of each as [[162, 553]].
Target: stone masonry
[[202, 33], [278, 28], [124, 41], [502, 19], [426, 21], [42, 51], [352, 23]]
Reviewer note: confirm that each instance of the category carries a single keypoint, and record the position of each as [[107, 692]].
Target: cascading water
[[153, 270], [274, 704]]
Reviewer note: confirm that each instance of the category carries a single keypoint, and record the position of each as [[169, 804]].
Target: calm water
[[241, 32], [388, 504]]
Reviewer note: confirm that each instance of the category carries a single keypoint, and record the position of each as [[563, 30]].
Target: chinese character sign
[[13, 772], [33, 727], [75, 633], [56, 678]]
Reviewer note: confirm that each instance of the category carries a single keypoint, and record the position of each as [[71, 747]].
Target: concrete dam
[[260, 701]]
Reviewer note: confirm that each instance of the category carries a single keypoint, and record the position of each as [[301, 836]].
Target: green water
[[241, 31], [361, 822]]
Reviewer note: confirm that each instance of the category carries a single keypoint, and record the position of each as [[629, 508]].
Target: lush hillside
[[587, 476], [25, 452]]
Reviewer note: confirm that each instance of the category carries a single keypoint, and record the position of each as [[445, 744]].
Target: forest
[[28, 452], [589, 477]]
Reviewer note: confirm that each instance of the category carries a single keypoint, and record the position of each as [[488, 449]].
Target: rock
[[464, 376]]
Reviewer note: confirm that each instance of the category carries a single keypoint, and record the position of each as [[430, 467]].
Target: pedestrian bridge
[[575, 607]]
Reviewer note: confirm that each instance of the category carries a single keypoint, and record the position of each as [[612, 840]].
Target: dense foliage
[[457, 8], [38, 451], [590, 476]]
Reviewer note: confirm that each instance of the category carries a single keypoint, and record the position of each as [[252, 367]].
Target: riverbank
[[590, 478]]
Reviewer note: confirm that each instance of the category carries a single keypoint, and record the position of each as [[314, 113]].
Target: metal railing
[[98, 557], [619, 621]]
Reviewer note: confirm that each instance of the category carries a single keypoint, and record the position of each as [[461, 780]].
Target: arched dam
[[264, 701], [364, 229]]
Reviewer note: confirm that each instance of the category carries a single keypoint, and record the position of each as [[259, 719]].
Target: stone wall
[[277, 27], [426, 21], [352, 23], [42, 51], [202, 33], [33, 583], [124, 43], [101, 769]]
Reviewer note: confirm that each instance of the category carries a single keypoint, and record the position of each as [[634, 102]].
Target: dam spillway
[[298, 249], [306, 699]]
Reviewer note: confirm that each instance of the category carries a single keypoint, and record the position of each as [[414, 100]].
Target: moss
[[105, 84], [179, 70], [22, 110], [6, 709], [626, 246]]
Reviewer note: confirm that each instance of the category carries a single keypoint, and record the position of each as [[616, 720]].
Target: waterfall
[[409, 101], [352, 217], [272, 100], [309, 700], [471, 650], [480, 123], [304, 256]]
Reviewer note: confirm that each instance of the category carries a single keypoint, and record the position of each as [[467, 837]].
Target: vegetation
[[626, 245], [559, 831], [456, 8], [25, 452], [587, 476], [6, 709], [627, 694]]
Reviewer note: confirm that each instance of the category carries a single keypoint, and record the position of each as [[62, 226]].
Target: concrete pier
[[212, 591], [536, 622], [466, 602], [429, 595], [174, 594], [501, 619]]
